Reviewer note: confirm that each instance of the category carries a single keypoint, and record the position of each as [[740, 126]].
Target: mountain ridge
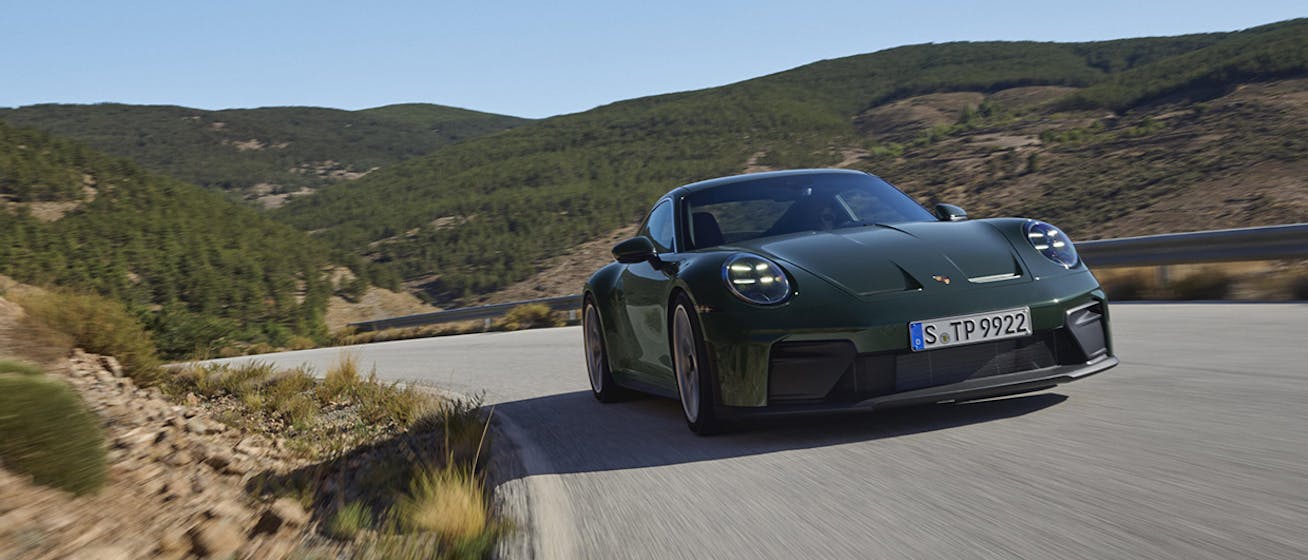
[[267, 154]]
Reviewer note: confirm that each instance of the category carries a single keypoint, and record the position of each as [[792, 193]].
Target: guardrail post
[[486, 324], [572, 315], [1162, 276]]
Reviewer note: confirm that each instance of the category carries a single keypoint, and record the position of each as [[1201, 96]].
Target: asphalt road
[[1195, 447]]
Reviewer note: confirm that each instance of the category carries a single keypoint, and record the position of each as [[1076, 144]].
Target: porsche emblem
[[942, 279]]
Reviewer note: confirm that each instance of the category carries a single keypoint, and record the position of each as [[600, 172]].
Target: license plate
[[969, 329]]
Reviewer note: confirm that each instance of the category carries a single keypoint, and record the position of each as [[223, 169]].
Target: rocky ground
[[175, 490]]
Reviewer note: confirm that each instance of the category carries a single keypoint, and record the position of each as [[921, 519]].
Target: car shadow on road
[[574, 433]]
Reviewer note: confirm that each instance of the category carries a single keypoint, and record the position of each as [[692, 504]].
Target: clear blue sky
[[533, 59]]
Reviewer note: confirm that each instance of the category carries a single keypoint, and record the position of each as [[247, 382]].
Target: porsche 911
[[817, 291]]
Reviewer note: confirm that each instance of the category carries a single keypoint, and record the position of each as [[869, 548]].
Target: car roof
[[703, 185]]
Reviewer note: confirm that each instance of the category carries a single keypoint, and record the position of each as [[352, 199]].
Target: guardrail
[[1228, 245]]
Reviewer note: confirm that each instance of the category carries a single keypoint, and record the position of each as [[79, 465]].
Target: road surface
[[1195, 447]]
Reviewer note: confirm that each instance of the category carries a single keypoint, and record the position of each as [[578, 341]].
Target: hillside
[[199, 268], [1104, 120], [266, 154]]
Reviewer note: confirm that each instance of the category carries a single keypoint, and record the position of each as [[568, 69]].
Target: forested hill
[[263, 153], [198, 267], [1087, 134]]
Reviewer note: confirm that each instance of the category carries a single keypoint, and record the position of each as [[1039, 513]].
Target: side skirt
[[625, 380]]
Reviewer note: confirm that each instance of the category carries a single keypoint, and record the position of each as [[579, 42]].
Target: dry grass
[[449, 502], [351, 337], [342, 377], [1261, 280], [530, 316], [257, 396], [416, 493], [97, 324]]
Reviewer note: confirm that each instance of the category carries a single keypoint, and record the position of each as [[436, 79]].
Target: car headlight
[[1052, 243], [756, 279]]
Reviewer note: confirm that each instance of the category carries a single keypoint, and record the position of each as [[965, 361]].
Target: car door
[[645, 287]]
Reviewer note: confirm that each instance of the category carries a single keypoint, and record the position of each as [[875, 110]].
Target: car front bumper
[[857, 356], [967, 390]]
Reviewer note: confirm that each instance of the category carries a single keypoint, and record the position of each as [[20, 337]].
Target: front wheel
[[597, 359], [693, 370]]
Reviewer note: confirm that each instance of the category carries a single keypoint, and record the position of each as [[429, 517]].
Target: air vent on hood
[[994, 278]]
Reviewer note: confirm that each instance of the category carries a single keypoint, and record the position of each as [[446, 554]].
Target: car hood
[[894, 258]]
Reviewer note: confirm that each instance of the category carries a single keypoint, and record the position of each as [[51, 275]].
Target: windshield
[[794, 203]]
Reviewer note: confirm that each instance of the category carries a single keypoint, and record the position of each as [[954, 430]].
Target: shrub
[[1209, 283], [49, 433], [530, 316], [15, 366], [99, 325]]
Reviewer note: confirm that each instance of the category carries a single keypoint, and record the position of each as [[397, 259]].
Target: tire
[[597, 356], [692, 369]]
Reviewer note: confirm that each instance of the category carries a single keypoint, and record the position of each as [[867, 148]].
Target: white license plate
[[969, 329]]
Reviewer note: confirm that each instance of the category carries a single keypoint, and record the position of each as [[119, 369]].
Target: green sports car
[[827, 290]]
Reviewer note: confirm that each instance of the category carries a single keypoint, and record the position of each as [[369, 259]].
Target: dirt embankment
[[175, 484]]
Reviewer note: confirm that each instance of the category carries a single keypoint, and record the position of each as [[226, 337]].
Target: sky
[[530, 59]]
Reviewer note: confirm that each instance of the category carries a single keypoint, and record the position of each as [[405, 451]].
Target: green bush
[[49, 433], [99, 325], [530, 316]]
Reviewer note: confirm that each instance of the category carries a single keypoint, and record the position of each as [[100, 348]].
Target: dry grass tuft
[[343, 378], [530, 316], [449, 502]]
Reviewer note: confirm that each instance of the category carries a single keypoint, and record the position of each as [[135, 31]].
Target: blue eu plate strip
[[915, 336]]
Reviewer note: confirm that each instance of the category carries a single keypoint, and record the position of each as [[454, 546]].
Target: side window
[[660, 226]]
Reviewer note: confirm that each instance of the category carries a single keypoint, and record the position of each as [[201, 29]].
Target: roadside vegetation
[[48, 432], [390, 471], [525, 316], [96, 324], [1258, 281], [384, 470]]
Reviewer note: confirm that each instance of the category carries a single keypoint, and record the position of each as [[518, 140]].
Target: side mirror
[[950, 213], [634, 250]]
